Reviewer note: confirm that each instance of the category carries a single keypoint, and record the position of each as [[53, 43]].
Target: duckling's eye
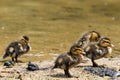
[[78, 49], [106, 42]]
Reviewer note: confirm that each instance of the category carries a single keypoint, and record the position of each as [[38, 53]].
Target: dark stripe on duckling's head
[[95, 36], [105, 42], [75, 49], [25, 38]]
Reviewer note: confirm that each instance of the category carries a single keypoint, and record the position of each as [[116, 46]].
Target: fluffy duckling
[[17, 48], [69, 59], [98, 50], [91, 36]]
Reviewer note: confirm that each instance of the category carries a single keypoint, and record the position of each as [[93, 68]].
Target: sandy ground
[[19, 71]]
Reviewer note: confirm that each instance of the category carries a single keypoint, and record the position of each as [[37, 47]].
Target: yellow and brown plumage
[[69, 59], [98, 50], [88, 37], [17, 48]]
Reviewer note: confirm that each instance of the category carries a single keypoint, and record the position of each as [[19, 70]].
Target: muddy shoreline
[[83, 71]]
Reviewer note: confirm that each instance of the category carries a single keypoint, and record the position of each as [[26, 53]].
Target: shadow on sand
[[101, 71]]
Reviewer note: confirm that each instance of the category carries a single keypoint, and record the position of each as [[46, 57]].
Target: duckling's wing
[[95, 51], [10, 49], [61, 61], [90, 50], [75, 61]]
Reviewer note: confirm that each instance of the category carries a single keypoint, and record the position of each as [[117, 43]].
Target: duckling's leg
[[67, 73], [12, 59], [93, 62], [16, 60]]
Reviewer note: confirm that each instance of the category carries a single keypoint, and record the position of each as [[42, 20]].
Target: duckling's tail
[[55, 66], [8, 52], [5, 55]]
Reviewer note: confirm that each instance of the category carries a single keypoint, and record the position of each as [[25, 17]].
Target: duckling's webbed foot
[[102, 66], [94, 63], [67, 74]]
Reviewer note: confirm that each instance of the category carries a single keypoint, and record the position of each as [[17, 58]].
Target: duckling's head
[[105, 42], [25, 38], [76, 50], [94, 36]]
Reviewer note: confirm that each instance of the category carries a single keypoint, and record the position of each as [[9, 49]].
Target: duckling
[[17, 48], [91, 36], [69, 59], [98, 50]]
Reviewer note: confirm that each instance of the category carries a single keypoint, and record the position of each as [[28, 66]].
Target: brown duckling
[[69, 59], [98, 50], [91, 36], [17, 48]]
